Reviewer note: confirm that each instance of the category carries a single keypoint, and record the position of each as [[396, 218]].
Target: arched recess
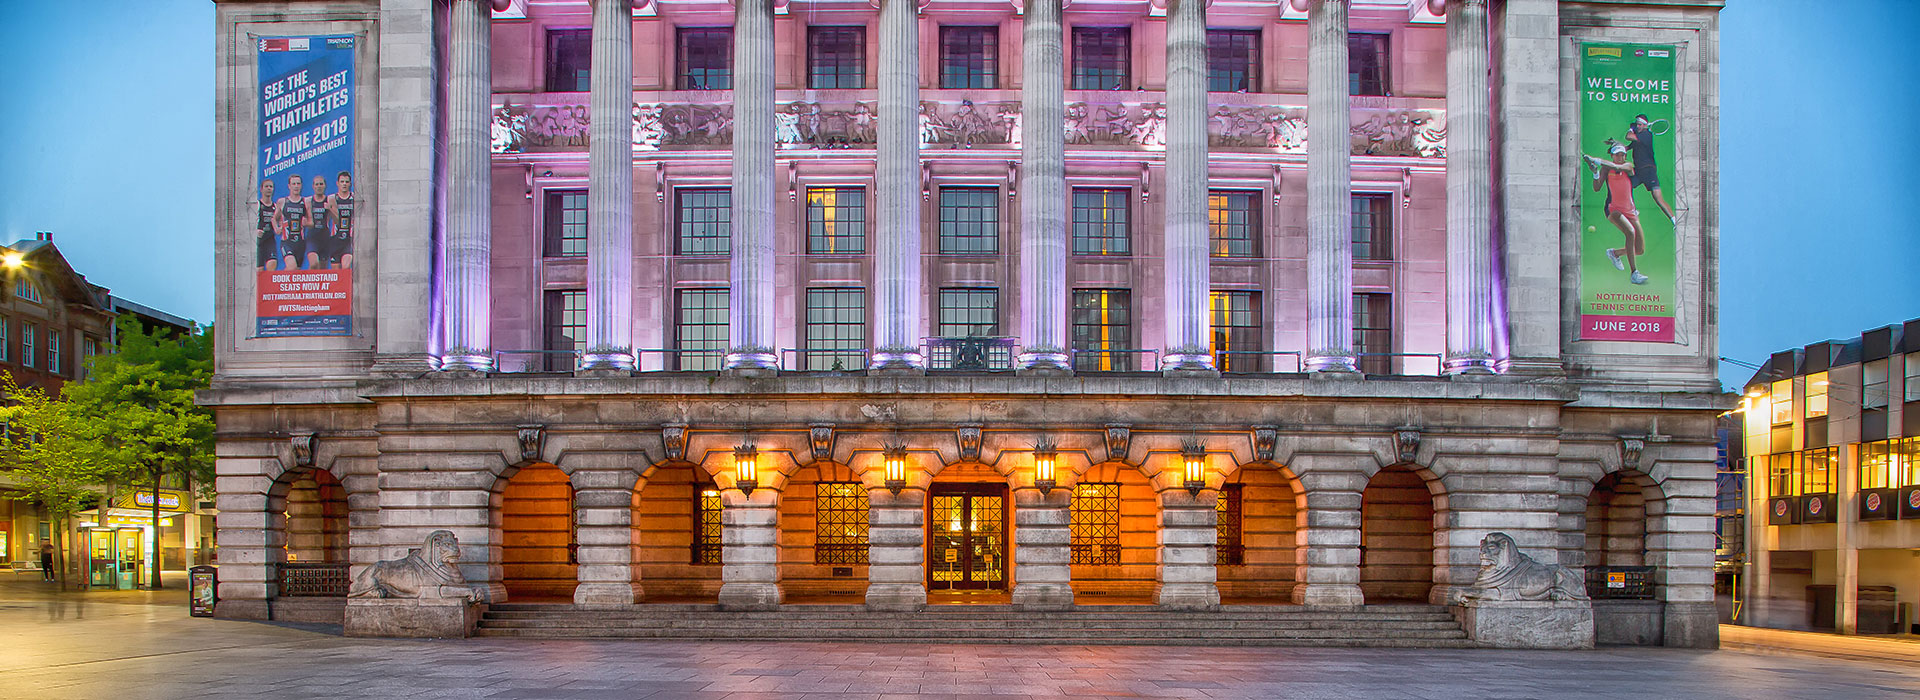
[[823, 534], [1619, 509], [537, 541], [315, 510], [970, 534], [1258, 522], [1114, 531], [676, 528], [1396, 537]]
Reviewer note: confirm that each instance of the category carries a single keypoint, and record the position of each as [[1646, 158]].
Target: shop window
[[1236, 332], [705, 218], [1817, 395], [1233, 221], [569, 57], [836, 330], [1783, 472], [836, 58], [969, 220], [1101, 59], [700, 329], [1819, 470], [566, 229], [1100, 221], [1230, 551], [836, 220], [1103, 330], [705, 57], [706, 535], [566, 329], [1233, 60], [1094, 517], [1372, 226], [1367, 64], [969, 58], [839, 523]]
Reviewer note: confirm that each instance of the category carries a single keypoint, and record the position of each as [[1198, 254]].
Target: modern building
[[1832, 434], [881, 304]]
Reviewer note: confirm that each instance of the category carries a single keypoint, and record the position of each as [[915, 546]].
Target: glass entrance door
[[967, 537], [103, 567]]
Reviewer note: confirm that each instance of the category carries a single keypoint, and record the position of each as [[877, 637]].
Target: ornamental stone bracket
[[820, 440], [1406, 444], [1266, 439], [302, 444], [1632, 451], [1119, 442], [532, 439], [673, 441], [969, 438]]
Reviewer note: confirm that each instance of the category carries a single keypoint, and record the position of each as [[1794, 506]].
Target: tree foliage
[[143, 393], [53, 454]]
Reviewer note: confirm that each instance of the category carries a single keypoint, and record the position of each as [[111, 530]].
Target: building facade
[[771, 302], [1832, 442]]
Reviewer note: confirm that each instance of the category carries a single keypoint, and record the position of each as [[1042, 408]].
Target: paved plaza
[[125, 646]]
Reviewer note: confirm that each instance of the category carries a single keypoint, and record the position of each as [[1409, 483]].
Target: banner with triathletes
[[304, 206], [1627, 245]]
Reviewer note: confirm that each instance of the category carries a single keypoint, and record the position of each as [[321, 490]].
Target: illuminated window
[[1873, 379], [1236, 331], [969, 220], [705, 217], [836, 57], [1233, 221], [1782, 401], [706, 58], [839, 523], [1367, 64], [1103, 330], [700, 329], [566, 234], [26, 289], [1372, 226], [569, 56], [1100, 221], [1783, 474], [1228, 518], [836, 329], [1880, 464], [969, 58], [566, 322], [1233, 60], [1101, 59], [706, 533], [1094, 516], [1817, 395], [28, 332], [1373, 332], [836, 220], [1818, 470]]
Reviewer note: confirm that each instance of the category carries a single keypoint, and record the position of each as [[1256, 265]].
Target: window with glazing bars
[[969, 58], [836, 220], [1102, 326], [836, 328], [705, 217], [967, 312], [969, 220], [840, 522], [1372, 226], [1236, 332], [705, 56], [706, 525], [1094, 524], [836, 58], [1820, 470], [1784, 472], [700, 329], [1373, 332], [6, 342], [1366, 64], [1101, 59], [566, 322], [1233, 60], [53, 350], [27, 349], [1233, 220], [569, 55], [1100, 221], [566, 223], [1230, 551]]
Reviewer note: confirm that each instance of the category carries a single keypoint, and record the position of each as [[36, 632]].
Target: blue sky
[[106, 139]]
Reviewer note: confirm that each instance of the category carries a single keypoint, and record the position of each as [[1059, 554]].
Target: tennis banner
[[1627, 250], [305, 202]]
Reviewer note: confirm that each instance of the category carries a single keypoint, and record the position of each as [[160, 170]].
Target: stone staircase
[[1425, 626]]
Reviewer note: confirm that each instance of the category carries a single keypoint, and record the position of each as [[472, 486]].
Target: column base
[[605, 595], [469, 360], [1043, 596], [1188, 596], [751, 362], [897, 363], [896, 597], [750, 596], [616, 359], [1331, 365], [1468, 365], [1044, 364], [1329, 595], [1188, 364]]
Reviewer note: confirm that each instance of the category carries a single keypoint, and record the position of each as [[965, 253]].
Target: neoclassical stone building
[[895, 305]]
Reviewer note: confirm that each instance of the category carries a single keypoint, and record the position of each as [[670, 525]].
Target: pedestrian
[[46, 561]]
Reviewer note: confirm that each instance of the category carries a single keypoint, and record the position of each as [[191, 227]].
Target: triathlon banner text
[[304, 208], [1627, 249]]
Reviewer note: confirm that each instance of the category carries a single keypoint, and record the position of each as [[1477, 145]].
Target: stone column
[[1042, 548], [1042, 245], [251, 520], [467, 286], [896, 549], [1469, 192], [1188, 534], [610, 191], [750, 549], [1327, 532], [1529, 321], [750, 297], [603, 527], [897, 309], [1329, 193], [1186, 267]]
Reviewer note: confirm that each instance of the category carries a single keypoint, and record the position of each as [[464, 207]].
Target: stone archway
[[1396, 537], [1618, 509], [1258, 521], [537, 541], [1114, 531], [677, 515], [316, 517], [824, 534]]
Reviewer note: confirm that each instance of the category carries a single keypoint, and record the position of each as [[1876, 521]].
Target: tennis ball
[[1590, 229]]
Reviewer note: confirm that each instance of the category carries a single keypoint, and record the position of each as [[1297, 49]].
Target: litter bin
[[202, 590]]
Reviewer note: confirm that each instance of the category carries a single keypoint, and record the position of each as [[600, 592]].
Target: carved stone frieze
[[813, 125], [966, 124]]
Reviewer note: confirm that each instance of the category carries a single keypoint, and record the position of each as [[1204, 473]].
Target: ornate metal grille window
[[969, 220], [312, 580], [836, 58], [701, 329], [1101, 59], [840, 523], [1236, 331], [836, 220], [566, 230], [705, 220], [706, 526], [969, 58], [705, 57], [1103, 330], [1234, 223], [1100, 221], [1373, 332], [1373, 226], [1233, 60], [569, 56], [1095, 524], [1231, 551], [1366, 64], [836, 330]]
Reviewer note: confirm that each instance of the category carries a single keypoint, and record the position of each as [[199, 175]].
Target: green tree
[[55, 457]]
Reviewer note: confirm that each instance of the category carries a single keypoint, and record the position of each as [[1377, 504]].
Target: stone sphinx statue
[[431, 572], [1508, 574]]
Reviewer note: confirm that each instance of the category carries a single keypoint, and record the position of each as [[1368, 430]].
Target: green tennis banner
[[1627, 249]]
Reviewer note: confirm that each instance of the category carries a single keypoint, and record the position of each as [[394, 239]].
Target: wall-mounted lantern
[[1043, 459], [746, 468], [896, 468], [1196, 463]]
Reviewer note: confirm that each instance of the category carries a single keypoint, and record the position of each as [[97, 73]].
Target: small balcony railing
[[970, 354]]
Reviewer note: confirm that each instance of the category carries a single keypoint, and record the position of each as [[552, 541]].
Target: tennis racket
[[1659, 127]]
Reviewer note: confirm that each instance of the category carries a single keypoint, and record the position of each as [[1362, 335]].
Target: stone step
[[1383, 640], [1190, 618], [988, 626], [790, 609]]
